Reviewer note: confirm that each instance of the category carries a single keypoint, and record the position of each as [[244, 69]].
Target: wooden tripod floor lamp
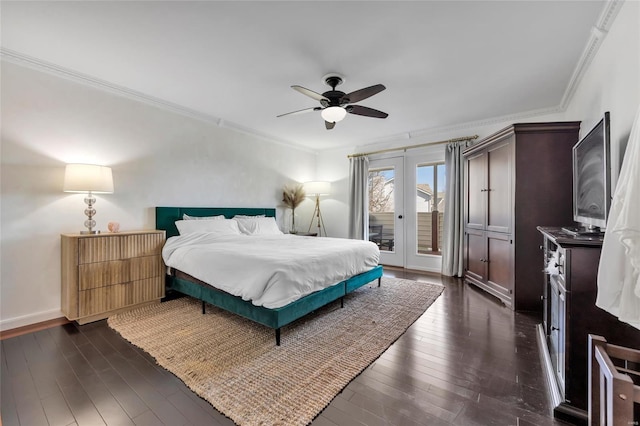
[[317, 189]]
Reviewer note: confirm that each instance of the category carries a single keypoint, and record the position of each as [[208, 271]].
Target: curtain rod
[[404, 148]]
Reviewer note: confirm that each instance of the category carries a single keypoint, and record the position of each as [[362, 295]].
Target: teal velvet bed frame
[[274, 318]]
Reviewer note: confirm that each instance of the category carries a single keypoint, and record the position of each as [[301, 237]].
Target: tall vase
[[292, 228]]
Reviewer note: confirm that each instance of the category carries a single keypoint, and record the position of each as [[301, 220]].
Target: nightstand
[[306, 234], [106, 273]]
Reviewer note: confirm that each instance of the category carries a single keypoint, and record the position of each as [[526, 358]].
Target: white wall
[[159, 158], [611, 83]]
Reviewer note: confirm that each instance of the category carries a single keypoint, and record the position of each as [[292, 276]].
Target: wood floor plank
[[80, 404], [195, 414], [121, 391], [56, 410], [106, 404], [151, 398], [148, 418]]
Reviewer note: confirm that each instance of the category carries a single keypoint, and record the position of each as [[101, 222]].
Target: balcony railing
[[425, 240]]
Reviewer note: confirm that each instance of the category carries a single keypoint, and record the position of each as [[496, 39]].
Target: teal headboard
[[166, 216]]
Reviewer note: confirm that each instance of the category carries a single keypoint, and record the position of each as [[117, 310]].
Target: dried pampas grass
[[293, 195]]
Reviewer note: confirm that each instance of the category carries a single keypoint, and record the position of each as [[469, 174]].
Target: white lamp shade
[[317, 188], [88, 178], [333, 114]]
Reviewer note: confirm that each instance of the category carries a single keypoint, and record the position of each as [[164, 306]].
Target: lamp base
[[318, 215], [89, 232]]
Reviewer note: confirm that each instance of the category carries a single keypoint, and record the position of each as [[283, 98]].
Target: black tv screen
[[591, 176]]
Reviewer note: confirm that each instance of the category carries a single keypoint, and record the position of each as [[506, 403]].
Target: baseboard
[[32, 328], [26, 320]]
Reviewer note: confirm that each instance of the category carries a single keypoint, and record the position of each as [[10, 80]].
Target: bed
[[274, 317]]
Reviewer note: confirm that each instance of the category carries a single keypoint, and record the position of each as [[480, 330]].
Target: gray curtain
[[358, 198], [453, 233]]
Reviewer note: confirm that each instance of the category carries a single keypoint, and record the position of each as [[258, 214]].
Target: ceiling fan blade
[[329, 125], [366, 111], [300, 111], [361, 94], [310, 93]]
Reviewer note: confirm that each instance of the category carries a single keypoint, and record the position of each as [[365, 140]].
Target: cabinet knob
[[554, 328]]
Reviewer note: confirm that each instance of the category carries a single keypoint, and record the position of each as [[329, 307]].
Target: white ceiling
[[444, 63]]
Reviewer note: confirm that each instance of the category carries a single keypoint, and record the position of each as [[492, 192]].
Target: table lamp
[[91, 179]]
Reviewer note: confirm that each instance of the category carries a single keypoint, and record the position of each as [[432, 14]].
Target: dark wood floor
[[467, 361]]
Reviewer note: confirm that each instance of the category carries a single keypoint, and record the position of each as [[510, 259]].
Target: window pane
[[381, 208], [440, 190], [429, 207]]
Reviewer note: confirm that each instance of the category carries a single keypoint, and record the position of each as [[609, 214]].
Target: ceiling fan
[[336, 104]]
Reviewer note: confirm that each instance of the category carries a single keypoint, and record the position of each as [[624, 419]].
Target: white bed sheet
[[269, 270]]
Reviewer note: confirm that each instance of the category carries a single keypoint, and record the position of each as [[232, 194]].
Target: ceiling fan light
[[333, 114]]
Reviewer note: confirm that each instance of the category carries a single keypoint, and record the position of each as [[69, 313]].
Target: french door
[[406, 208], [386, 204]]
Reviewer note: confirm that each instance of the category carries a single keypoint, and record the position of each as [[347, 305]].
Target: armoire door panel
[[500, 255], [500, 187], [476, 249], [476, 191]]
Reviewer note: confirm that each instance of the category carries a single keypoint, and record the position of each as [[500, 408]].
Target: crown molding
[[596, 38], [430, 131], [88, 80], [50, 68]]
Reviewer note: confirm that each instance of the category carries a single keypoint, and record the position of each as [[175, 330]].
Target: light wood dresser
[[106, 273]]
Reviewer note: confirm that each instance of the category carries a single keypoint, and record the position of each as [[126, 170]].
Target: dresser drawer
[[99, 249], [101, 274], [99, 300], [142, 245]]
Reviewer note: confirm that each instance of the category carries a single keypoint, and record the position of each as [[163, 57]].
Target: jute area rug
[[235, 364]]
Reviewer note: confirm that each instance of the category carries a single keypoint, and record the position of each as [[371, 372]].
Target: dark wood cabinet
[[515, 179], [570, 315]]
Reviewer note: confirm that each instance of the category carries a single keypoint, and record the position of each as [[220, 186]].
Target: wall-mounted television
[[592, 179]]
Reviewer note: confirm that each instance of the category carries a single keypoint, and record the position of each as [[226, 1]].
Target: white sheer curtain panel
[[453, 232], [358, 198], [619, 268]]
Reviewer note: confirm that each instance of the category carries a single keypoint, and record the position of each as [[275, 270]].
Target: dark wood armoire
[[516, 179]]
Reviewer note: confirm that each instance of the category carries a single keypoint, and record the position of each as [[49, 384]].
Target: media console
[[570, 315]]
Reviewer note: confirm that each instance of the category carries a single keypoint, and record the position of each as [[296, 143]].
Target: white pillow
[[258, 225], [187, 217], [220, 227]]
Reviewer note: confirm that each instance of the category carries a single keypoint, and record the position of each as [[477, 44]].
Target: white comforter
[[269, 270]]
